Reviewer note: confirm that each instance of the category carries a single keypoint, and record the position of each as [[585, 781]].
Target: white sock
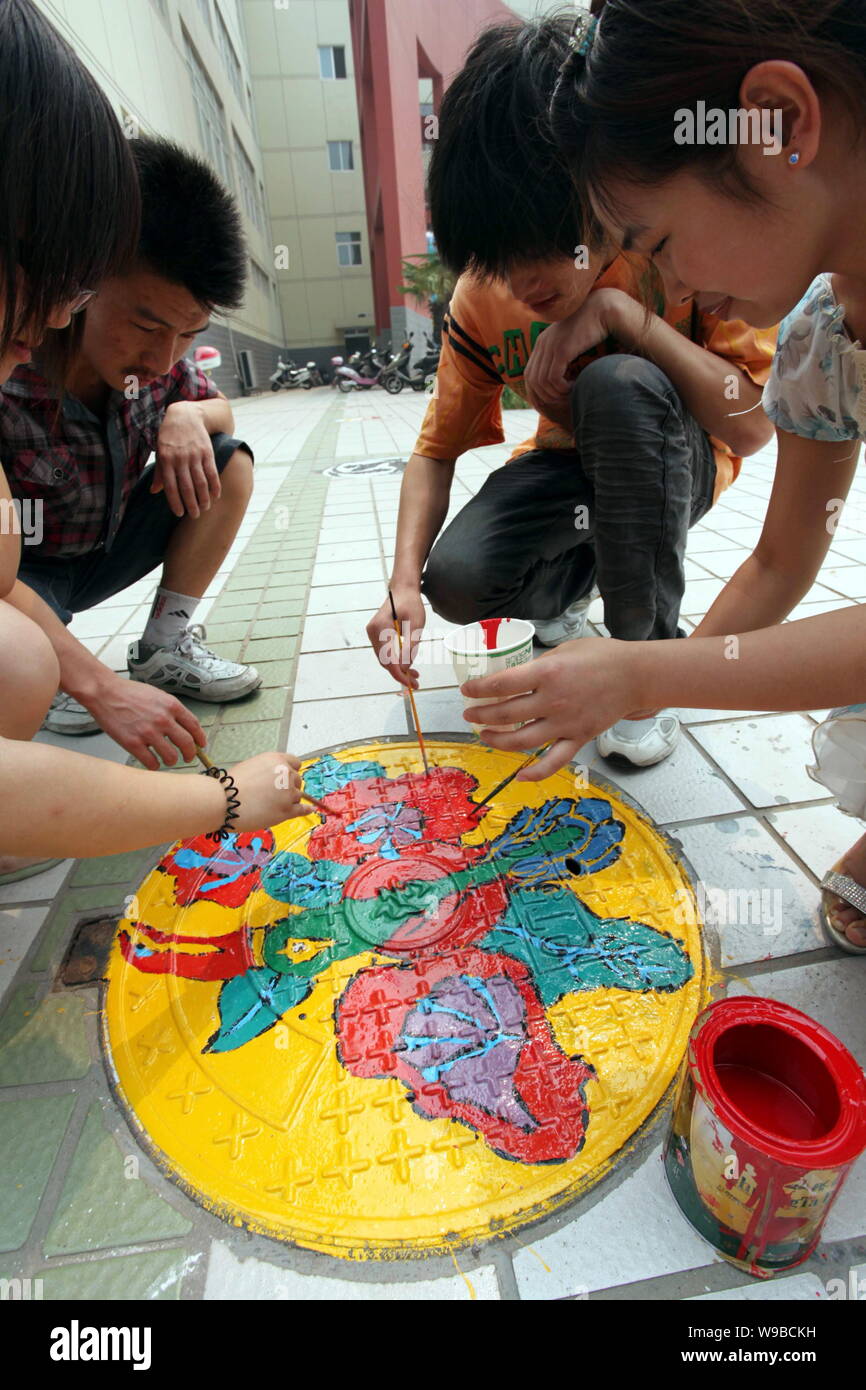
[[170, 615]]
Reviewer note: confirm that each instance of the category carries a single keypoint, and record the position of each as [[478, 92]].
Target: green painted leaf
[[569, 949], [250, 1004]]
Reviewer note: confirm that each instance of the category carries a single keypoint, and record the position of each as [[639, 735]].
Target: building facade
[[405, 53], [319, 116], [181, 70], [303, 80]]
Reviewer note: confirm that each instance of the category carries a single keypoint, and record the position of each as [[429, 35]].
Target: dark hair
[[69, 202], [500, 191], [191, 230], [613, 115]]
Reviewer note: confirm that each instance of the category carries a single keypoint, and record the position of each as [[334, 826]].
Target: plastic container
[[494, 644]]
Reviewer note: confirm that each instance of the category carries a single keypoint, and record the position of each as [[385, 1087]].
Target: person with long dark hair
[[724, 139], [69, 216]]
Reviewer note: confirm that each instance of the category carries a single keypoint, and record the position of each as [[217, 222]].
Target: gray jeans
[[616, 512]]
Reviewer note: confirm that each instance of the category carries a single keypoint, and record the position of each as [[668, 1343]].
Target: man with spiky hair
[[636, 435], [108, 517]]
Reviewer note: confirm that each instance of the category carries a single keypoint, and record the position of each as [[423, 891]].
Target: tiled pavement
[[84, 1210]]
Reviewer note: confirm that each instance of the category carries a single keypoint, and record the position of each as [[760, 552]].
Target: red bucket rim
[[844, 1142]]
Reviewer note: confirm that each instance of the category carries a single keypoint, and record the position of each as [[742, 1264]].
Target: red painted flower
[[388, 817], [206, 870], [466, 1033]]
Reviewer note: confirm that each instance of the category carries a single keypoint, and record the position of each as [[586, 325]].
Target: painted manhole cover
[[405, 1024], [361, 467]]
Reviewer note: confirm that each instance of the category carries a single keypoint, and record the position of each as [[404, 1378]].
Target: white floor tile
[[348, 571], [683, 787], [329, 723], [333, 674], [635, 1232], [254, 1280], [344, 598], [760, 904], [336, 631], [781, 1288], [19, 927], [819, 835], [40, 888], [765, 758]]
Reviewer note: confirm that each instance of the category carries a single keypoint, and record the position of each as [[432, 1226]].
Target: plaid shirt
[[83, 468]]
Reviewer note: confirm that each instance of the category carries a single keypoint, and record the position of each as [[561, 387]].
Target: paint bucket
[[769, 1119], [494, 644]]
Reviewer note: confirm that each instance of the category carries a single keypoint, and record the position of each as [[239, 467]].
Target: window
[[349, 248], [262, 282], [211, 121], [340, 156], [230, 58], [332, 62], [249, 190]]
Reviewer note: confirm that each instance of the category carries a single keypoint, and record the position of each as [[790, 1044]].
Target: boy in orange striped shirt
[[630, 450]]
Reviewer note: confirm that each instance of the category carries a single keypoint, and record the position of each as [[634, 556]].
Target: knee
[[451, 584], [618, 386], [28, 679], [236, 479]]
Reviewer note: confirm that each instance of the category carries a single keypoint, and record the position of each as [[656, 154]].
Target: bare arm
[[812, 480], [144, 720], [53, 802], [701, 377], [818, 662], [424, 497], [185, 467], [216, 414]]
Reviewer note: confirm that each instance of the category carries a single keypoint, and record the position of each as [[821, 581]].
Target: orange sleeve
[[750, 349], [464, 411]]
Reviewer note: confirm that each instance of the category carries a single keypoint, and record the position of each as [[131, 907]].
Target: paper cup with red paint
[[769, 1120], [494, 644]]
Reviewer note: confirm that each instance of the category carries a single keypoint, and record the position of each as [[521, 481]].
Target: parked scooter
[[422, 373], [288, 375], [360, 373]]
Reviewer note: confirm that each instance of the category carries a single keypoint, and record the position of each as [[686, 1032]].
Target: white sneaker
[[641, 742], [67, 716], [190, 668], [570, 625]]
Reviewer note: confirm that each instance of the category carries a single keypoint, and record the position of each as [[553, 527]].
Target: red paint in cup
[[769, 1120]]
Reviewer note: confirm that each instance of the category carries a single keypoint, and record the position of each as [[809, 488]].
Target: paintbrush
[[304, 796], [500, 786], [408, 688]]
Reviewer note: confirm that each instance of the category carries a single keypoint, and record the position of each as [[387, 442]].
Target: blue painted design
[[328, 774], [227, 865], [395, 823], [291, 878]]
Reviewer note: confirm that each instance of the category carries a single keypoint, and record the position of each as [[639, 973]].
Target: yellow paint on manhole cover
[[409, 1022]]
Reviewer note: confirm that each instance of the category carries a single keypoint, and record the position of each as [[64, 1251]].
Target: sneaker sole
[[79, 730], [625, 761], [213, 694]]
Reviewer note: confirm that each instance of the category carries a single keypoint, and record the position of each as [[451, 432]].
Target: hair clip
[[583, 34]]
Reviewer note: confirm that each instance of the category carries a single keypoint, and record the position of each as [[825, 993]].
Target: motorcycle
[[289, 375], [360, 373], [422, 374]]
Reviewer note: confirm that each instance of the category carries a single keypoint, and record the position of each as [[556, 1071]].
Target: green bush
[[511, 400]]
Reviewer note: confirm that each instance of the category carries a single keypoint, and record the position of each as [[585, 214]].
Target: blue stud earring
[[794, 158]]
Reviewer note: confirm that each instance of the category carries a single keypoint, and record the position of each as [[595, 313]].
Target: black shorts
[[70, 585]]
